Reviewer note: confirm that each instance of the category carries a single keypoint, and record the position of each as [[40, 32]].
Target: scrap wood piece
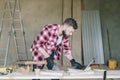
[[31, 62]]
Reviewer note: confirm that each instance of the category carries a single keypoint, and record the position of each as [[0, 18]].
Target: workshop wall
[[37, 13], [110, 19]]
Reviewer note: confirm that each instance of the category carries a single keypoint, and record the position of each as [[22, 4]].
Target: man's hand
[[76, 65], [50, 63]]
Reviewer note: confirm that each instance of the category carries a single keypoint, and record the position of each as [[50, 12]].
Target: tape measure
[[6, 70], [9, 70]]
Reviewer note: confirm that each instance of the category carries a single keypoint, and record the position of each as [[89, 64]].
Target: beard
[[64, 34]]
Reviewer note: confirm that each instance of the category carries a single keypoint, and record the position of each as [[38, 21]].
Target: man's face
[[68, 30]]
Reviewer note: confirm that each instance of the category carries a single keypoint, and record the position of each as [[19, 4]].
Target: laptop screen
[[89, 64]]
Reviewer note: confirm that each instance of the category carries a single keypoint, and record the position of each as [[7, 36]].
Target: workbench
[[92, 74]]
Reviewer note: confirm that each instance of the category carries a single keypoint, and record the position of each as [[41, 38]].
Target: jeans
[[41, 67]]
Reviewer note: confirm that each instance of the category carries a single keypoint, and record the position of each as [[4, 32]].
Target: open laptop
[[86, 68], [92, 61]]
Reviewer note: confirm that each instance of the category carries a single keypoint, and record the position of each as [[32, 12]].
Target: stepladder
[[12, 34]]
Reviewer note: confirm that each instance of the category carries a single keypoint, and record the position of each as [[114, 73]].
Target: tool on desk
[[92, 61], [5, 70]]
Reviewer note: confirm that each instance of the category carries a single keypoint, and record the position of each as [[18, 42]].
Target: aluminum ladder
[[14, 28]]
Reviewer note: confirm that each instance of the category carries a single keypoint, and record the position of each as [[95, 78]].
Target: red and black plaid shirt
[[47, 39]]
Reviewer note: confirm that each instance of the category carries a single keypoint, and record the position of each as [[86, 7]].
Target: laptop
[[89, 64], [86, 68]]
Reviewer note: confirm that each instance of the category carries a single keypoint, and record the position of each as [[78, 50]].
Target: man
[[51, 41]]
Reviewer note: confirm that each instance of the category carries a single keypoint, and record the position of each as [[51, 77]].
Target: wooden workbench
[[92, 74]]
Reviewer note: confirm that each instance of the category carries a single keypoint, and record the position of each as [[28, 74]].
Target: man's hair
[[72, 22]]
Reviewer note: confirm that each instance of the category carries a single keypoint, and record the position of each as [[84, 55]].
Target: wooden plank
[[31, 62]]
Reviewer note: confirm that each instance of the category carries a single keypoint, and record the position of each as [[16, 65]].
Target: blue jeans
[[41, 67]]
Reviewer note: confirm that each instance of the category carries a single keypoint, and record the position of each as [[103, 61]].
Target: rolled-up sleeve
[[67, 49]]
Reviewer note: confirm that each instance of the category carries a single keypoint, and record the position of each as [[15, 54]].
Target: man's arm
[[70, 57], [50, 62], [68, 54], [43, 52], [42, 38], [67, 49], [42, 46]]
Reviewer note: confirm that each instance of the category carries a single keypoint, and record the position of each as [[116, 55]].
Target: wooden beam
[[31, 62]]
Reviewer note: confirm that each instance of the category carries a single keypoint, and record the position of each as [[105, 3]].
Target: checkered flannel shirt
[[47, 39]]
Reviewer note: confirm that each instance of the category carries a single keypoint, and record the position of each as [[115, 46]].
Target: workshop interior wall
[[37, 13], [110, 19]]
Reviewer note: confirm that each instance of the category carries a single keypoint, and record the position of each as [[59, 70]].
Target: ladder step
[[20, 46], [16, 29], [22, 54], [12, 1], [18, 38], [8, 19], [2, 49], [1, 59], [16, 19], [17, 11], [8, 10]]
